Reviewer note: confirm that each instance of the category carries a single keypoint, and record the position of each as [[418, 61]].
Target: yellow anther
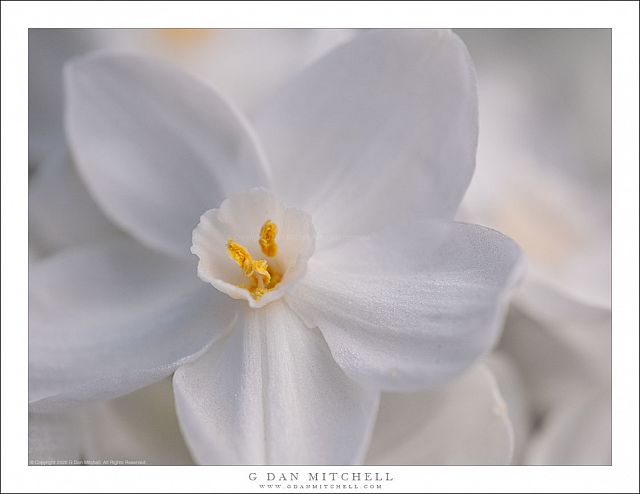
[[267, 241], [241, 255], [262, 277]]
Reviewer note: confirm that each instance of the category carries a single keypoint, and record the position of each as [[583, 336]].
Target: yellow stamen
[[262, 277], [267, 241], [241, 255]]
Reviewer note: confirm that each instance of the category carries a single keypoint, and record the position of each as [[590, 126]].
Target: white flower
[[364, 284]]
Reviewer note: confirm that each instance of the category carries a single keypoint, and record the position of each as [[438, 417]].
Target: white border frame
[[17, 17]]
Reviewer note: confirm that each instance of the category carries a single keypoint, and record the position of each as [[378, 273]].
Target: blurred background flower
[[542, 177]]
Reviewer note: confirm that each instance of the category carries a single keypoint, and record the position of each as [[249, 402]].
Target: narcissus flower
[[329, 268]]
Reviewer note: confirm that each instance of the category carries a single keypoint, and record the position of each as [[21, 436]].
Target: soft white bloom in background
[[464, 423], [141, 426], [544, 168], [562, 351], [544, 178]]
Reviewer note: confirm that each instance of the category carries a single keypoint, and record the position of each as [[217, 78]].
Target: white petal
[[389, 119], [141, 426], [62, 213], [561, 347], [577, 433], [54, 438], [463, 423], [106, 320], [409, 307], [270, 393], [156, 148]]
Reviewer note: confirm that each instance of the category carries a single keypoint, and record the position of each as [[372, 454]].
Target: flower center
[[249, 257], [262, 277]]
